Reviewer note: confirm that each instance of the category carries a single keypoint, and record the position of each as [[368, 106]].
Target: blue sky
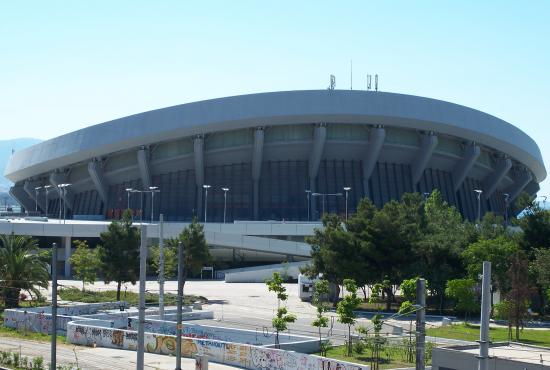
[[67, 65]]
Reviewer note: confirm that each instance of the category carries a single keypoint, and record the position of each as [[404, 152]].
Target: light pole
[[47, 188], [347, 189], [308, 193], [153, 190], [206, 187], [63, 194], [479, 192], [128, 191], [506, 200], [36, 198], [225, 190], [324, 195]]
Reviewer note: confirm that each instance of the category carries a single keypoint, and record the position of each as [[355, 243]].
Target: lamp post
[[308, 193], [206, 187], [478, 192], [225, 190], [63, 194], [128, 191], [347, 189], [36, 198], [506, 200], [324, 195], [153, 190], [47, 188]]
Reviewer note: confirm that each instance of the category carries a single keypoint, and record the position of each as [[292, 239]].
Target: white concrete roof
[[277, 108]]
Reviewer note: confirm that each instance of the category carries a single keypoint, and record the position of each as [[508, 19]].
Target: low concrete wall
[[241, 355], [292, 342], [259, 274]]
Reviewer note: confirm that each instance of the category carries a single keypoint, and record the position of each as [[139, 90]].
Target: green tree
[[498, 251], [442, 240], [541, 268], [170, 260], [320, 293], [462, 291], [520, 289], [282, 317], [21, 268], [85, 262], [346, 309], [197, 254], [119, 252]]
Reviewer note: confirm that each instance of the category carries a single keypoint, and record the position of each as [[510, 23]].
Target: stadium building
[[269, 148]]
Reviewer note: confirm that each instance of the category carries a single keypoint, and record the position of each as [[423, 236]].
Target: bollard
[[201, 362]]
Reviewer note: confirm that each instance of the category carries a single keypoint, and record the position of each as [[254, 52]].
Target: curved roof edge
[[277, 108]]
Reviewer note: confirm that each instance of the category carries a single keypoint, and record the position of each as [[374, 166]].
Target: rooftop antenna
[[376, 82], [351, 74], [369, 82], [332, 82]]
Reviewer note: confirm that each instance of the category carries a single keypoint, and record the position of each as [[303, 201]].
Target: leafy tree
[[535, 225], [408, 291], [541, 268], [21, 268], [197, 254], [521, 289], [85, 262], [119, 252], [320, 292], [463, 293], [491, 226], [346, 309], [498, 251], [170, 260], [282, 317], [441, 243]]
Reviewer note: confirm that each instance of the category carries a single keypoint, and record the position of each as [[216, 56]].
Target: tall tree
[[85, 262], [346, 309], [520, 289], [197, 254], [21, 268], [282, 317], [320, 294], [440, 246], [119, 252], [541, 268], [464, 295]]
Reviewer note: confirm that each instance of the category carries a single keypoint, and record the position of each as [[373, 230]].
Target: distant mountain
[[6, 148]]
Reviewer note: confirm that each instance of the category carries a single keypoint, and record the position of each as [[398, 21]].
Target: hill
[[6, 147]]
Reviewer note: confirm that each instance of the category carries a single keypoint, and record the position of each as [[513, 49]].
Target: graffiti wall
[[236, 354], [259, 337]]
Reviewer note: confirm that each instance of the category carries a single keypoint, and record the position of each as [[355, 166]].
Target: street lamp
[[153, 190], [347, 189], [506, 200], [63, 194], [47, 188], [128, 191], [308, 193], [324, 195], [206, 187], [36, 198], [225, 190], [479, 192]]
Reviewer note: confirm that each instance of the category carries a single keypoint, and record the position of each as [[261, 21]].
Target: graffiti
[[166, 345], [118, 338]]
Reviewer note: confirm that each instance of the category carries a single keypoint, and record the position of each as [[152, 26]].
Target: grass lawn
[[12, 333], [391, 356], [471, 333], [89, 296]]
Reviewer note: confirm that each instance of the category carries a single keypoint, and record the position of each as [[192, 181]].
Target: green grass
[[471, 333], [89, 296], [391, 357]]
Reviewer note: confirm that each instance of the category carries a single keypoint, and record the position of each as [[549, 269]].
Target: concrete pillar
[[319, 138], [66, 241], [463, 167], [95, 169], [198, 148], [428, 143], [374, 147], [492, 180], [257, 158]]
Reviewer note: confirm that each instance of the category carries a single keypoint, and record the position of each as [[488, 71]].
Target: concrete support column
[[428, 142], [519, 184], [463, 167], [143, 164], [374, 147], [29, 187], [22, 197], [319, 138], [492, 180], [66, 241], [95, 169], [257, 158], [198, 148]]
